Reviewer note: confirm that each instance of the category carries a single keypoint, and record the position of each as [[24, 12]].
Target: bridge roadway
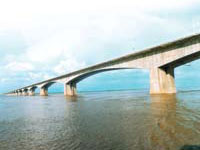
[[159, 60]]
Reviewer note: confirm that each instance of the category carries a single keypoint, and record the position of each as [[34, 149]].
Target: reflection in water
[[170, 130], [103, 121], [71, 98], [163, 109]]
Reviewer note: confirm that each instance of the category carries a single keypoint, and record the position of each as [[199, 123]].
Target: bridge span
[[159, 60]]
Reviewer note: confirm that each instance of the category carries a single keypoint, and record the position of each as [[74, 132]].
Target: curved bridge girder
[[33, 88], [70, 83], [81, 77], [47, 85]]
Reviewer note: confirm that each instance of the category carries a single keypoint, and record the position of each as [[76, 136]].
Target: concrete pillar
[[24, 93], [162, 81], [19, 93], [31, 92], [43, 91], [70, 89]]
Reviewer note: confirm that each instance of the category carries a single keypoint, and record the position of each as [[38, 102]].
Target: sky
[[41, 39]]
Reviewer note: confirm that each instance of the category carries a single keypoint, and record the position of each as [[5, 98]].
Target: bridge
[[159, 60]]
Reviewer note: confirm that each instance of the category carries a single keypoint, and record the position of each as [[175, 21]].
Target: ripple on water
[[101, 120]]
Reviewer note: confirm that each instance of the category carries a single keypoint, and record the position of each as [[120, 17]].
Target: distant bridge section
[[160, 61]]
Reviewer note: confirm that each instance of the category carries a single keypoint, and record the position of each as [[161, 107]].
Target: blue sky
[[40, 39]]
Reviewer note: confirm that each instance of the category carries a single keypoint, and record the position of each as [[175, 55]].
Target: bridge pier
[[43, 91], [19, 93], [31, 92], [162, 81], [24, 92], [70, 89]]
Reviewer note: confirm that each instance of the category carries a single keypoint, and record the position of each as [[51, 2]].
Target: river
[[110, 120]]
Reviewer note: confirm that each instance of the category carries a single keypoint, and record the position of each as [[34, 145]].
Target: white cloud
[[64, 35], [37, 19], [4, 79], [44, 52], [38, 76], [19, 66], [46, 76], [35, 75], [68, 65]]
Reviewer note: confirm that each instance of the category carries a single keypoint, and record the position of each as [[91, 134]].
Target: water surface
[[118, 120]]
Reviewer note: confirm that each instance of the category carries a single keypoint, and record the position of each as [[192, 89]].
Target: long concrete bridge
[[159, 60]]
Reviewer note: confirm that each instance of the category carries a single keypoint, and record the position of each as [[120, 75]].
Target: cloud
[[4, 79], [19, 66], [68, 65], [44, 52], [39, 76], [56, 37]]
